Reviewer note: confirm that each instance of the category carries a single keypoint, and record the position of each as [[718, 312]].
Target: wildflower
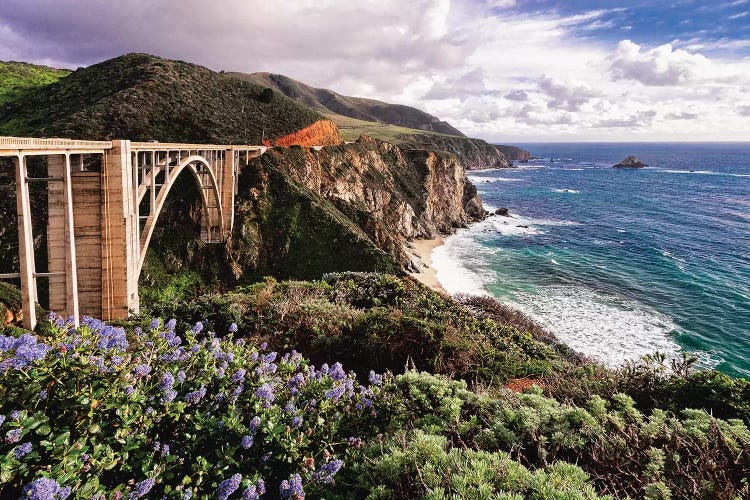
[[327, 471], [220, 372], [169, 396], [129, 390], [254, 423], [261, 486], [15, 415], [167, 381], [164, 450], [181, 376], [247, 442], [187, 495], [264, 346], [237, 391], [270, 357], [171, 324], [337, 372], [198, 327], [141, 489], [44, 488], [228, 486], [233, 327], [374, 378], [112, 338], [297, 422], [195, 396], [43, 394], [22, 450], [239, 375], [250, 493], [335, 393], [154, 324], [12, 437], [265, 392], [2, 419], [141, 370], [292, 488]]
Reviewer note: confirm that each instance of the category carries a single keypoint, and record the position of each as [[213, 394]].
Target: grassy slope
[[17, 79], [370, 110], [143, 97]]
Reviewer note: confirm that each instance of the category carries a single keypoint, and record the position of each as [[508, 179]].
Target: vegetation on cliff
[[142, 97], [154, 408], [19, 78]]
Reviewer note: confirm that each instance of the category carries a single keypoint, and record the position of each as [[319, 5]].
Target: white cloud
[[489, 70]]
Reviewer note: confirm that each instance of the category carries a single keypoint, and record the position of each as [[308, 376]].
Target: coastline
[[423, 248]]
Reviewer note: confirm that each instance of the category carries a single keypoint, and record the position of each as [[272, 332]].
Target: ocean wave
[[609, 329], [459, 274], [569, 191], [476, 179], [702, 172]]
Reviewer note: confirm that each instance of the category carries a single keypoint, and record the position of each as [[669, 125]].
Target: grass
[[17, 78], [352, 128]]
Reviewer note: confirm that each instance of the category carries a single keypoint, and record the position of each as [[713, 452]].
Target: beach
[[428, 275]]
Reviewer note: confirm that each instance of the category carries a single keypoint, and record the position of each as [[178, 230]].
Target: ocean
[[618, 263]]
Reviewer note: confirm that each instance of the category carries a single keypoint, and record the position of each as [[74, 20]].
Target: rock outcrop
[[474, 154], [320, 133], [514, 153], [631, 162]]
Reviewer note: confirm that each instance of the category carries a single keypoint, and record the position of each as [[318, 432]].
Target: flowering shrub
[[98, 412]]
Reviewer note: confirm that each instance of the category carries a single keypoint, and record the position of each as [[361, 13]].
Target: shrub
[[97, 410]]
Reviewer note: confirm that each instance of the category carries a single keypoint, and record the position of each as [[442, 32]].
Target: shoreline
[[423, 249]]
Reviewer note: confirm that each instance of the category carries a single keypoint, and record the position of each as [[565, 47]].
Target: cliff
[[475, 154], [329, 102], [514, 153], [320, 133]]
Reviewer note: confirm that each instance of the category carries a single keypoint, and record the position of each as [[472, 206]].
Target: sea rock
[[631, 162], [502, 211]]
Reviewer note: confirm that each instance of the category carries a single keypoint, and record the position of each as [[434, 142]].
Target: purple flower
[[129, 390], [297, 422], [22, 450], [167, 381], [239, 375], [292, 488], [181, 376], [261, 485], [171, 324], [195, 396], [254, 424], [169, 396], [2, 419], [374, 378], [327, 471], [228, 486], [265, 392], [187, 495], [250, 493], [164, 450], [44, 488], [335, 393], [43, 394], [112, 338], [154, 324], [337, 372], [141, 370], [12, 437], [198, 327], [270, 357], [233, 327], [15, 415], [141, 489], [237, 391], [247, 442]]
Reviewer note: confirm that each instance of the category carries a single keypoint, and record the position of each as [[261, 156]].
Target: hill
[[18, 78], [332, 103], [403, 125], [143, 97]]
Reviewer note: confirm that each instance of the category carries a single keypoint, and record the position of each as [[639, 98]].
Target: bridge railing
[[32, 143]]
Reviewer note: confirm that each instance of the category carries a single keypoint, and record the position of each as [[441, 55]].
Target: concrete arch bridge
[[104, 199]]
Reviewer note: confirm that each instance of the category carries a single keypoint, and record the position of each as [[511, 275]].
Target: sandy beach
[[428, 275]]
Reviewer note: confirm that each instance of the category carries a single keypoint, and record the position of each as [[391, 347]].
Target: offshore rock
[[631, 162]]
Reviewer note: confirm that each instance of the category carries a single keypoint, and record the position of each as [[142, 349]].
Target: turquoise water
[[619, 263]]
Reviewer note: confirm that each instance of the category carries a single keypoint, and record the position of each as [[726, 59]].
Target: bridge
[[103, 200]]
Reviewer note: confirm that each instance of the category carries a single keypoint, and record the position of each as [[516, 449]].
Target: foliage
[[104, 411], [17, 79]]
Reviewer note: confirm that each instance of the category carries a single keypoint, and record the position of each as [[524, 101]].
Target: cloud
[[569, 97], [517, 95], [744, 110], [640, 119], [685, 115], [659, 66], [463, 86]]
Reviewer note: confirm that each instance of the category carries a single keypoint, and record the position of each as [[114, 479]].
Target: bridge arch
[[206, 179]]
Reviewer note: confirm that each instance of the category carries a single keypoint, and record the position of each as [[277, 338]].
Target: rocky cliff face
[[474, 154], [514, 153], [386, 193], [320, 133]]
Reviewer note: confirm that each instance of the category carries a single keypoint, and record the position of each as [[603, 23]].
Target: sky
[[503, 70]]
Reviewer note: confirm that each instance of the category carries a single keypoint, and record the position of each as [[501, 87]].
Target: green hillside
[[18, 78], [337, 105], [143, 97]]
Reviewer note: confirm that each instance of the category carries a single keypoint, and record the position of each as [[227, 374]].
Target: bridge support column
[[227, 191], [25, 245], [61, 246], [120, 238]]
